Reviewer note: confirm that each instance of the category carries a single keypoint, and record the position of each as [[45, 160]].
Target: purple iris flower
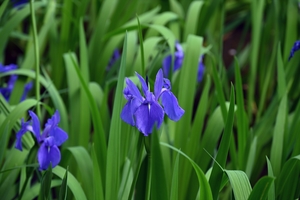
[[295, 48], [6, 91], [179, 55], [178, 60], [145, 111], [51, 138]]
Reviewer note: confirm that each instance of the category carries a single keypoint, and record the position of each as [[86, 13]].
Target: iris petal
[[48, 154], [133, 90], [147, 116], [21, 132], [27, 88], [158, 83], [167, 65], [35, 125], [43, 157], [59, 135], [144, 85], [171, 106], [128, 111], [7, 68]]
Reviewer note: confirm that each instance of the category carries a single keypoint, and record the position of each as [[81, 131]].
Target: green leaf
[[3, 6], [46, 183], [240, 184], [126, 180], [12, 119], [72, 183], [257, 8], [287, 181], [191, 22], [14, 21], [174, 186], [271, 193], [205, 190], [187, 89], [241, 118], [161, 19], [159, 188], [85, 167], [33, 192], [281, 74], [261, 188], [63, 191], [97, 180], [99, 137], [141, 46], [278, 137], [251, 157], [113, 149], [221, 158], [54, 94]]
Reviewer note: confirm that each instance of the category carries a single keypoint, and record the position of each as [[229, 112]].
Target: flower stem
[[36, 56]]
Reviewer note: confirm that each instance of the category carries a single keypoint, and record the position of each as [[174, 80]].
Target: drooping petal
[[295, 48], [171, 106], [167, 65], [129, 110], [158, 84], [134, 91], [143, 83], [27, 88], [20, 133], [35, 125], [148, 115], [59, 135], [47, 155]]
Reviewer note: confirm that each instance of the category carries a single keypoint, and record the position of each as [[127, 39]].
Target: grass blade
[[278, 137], [113, 149], [221, 158]]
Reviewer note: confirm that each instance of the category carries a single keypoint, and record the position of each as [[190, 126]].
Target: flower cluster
[[145, 111], [6, 91], [49, 140], [178, 60], [295, 48]]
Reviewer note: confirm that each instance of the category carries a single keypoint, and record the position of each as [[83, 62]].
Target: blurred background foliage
[[246, 43]]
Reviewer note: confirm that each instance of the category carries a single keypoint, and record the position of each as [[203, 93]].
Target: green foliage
[[245, 109]]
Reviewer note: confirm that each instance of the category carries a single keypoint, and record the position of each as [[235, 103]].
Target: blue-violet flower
[[295, 48], [145, 111], [178, 60], [51, 138], [6, 91]]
